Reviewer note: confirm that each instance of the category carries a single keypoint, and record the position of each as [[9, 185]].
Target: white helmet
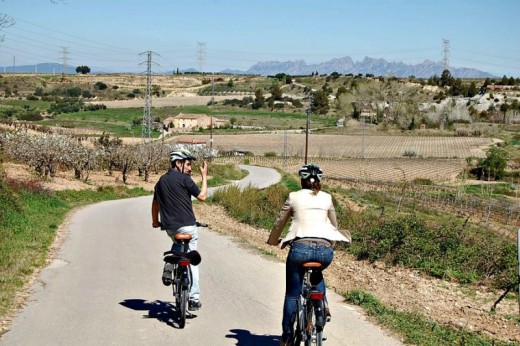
[[181, 154]]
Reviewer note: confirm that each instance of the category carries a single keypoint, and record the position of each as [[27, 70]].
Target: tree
[[83, 69], [446, 78], [341, 90], [320, 102], [345, 104], [259, 99], [472, 90], [276, 92], [494, 165], [125, 159]]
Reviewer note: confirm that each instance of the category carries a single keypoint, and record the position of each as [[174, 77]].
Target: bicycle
[[310, 316], [182, 277]]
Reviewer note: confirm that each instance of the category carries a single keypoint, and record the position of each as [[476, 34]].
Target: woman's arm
[[279, 224]]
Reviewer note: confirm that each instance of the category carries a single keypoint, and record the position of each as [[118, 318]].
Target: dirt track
[[187, 99]]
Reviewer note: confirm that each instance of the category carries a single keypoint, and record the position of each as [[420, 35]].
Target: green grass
[[415, 328], [122, 122], [41, 105], [253, 206], [505, 189], [28, 225]]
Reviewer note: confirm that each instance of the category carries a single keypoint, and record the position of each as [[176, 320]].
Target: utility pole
[[446, 53], [14, 64], [146, 133], [64, 65], [308, 127], [363, 138], [285, 149], [211, 119], [201, 48]]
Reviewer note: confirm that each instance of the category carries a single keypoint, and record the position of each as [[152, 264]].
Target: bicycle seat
[[312, 265], [182, 236]]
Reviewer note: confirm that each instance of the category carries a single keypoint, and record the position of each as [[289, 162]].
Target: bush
[[448, 251], [410, 153], [31, 116], [74, 92], [100, 86], [270, 154]]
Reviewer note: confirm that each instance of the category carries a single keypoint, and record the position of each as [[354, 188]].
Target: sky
[[214, 35]]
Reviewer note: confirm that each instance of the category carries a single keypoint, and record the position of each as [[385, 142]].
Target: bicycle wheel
[[310, 324], [298, 332], [313, 328], [183, 306]]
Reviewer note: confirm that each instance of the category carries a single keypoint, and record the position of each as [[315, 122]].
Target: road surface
[[105, 288]]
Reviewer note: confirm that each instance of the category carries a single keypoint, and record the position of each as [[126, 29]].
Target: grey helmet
[[310, 171], [181, 154]]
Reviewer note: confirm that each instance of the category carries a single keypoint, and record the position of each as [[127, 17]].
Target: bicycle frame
[[310, 318]]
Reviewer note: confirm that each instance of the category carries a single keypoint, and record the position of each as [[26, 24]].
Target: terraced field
[[351, 146], [367, 170]]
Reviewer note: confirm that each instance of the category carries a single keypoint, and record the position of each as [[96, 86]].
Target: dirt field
[[350, 146], [183, 99]]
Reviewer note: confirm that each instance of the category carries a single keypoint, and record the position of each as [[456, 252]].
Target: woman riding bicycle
[[311, 237]]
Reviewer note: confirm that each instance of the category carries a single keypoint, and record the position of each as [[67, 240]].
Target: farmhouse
[[191, 143], [188, 122]]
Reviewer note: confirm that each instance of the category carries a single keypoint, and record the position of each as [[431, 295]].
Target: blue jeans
[[294, 273], [192, 245]]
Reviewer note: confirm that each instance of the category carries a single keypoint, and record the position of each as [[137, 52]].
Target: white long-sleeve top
[[313, 216]]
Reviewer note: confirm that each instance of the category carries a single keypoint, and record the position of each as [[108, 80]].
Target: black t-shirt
[[173, 191]]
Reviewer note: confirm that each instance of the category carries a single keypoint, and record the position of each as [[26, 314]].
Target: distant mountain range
[[345, 65], [377, 67]]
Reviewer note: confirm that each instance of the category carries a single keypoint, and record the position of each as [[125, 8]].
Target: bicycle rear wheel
[[313, 329], [300, 322], [183, 306]]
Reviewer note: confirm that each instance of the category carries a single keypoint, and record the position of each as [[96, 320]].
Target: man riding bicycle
[[311, 237], [172, 202]]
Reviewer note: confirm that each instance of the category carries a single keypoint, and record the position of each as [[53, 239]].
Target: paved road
[[105, 288]]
